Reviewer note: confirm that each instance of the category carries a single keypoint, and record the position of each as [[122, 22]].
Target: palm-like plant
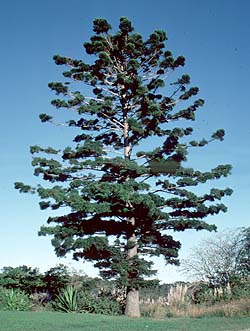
[[66, 300], [17, 300]]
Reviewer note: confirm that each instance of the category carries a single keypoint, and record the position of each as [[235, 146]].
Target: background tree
[[56, 279], [123, 178], [24, 278], [243, 260], [220, 260]]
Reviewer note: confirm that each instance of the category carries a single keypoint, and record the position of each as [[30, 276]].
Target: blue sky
[[212, 35]]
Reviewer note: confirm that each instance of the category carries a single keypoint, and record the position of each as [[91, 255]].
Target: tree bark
[[132, 303], [132, 308]]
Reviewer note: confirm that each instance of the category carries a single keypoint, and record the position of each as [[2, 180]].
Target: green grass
[[51, 321]]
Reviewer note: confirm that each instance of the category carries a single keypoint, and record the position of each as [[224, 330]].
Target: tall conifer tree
[[124, 177]]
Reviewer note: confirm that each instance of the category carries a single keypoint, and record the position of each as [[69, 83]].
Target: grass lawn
[[51, 321]]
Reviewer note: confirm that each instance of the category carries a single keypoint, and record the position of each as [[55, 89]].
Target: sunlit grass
[[51, 321]]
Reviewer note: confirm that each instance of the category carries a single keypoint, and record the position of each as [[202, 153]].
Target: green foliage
[[56, 279], [241, 289], [104, 303], [23, 188], [23, 278], [2, 297], [30, 280], [205, 293], [208, 295], [71, 300], [45, 118], [17, 300], [101, 25], [66, 300]]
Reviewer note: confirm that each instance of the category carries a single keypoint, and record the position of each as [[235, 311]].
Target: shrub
[[66, 300], [24, 278], [71, 300], [107, 304], [16, 300], [41, 301], [2, 297], [56, 279], [241, 289], [104, 303]]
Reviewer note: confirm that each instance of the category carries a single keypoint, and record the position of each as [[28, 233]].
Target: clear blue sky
[[212, 35]]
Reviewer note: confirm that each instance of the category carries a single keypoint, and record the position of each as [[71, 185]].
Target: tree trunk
[[132, 308], [132, 303]]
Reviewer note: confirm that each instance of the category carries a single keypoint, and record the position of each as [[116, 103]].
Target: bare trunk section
[[132, 308], [126, 142], [132, 303]]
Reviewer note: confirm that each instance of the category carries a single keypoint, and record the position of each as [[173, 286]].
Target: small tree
[[124, 179], [220, 260]]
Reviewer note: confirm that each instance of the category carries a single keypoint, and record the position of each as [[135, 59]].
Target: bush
[[107, 304], [16, 300], [56, 279], [104, 303], [71, 300], [23, 278], [66, 300], [241, 289], [2, 297]]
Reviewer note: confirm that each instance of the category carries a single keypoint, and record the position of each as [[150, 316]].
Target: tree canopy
[[123, 178]]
